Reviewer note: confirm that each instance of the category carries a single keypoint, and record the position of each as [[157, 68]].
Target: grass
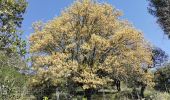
[[126, 94]]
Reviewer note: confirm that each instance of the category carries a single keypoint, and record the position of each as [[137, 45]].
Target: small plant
[[45, 98]]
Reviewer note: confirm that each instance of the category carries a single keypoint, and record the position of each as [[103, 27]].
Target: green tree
[[11, 17], [88, 46], [12, 48], [13, 83], [162, 78], [160, 9]]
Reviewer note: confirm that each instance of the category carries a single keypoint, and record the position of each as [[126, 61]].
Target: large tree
[[88, 46], [161, 10], [12, 47], [11, 17]]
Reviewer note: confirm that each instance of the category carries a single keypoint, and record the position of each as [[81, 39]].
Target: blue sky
[[134, 10]]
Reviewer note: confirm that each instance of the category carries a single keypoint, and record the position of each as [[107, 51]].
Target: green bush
[[151, 94]]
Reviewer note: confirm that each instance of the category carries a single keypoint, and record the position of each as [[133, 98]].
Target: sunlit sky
[[134, 10]]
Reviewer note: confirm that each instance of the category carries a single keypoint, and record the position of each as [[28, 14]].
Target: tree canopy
[[159, 57], [162, 78], [161, 10], [12, 48], [87, 52], [11, 17], [89, 46]]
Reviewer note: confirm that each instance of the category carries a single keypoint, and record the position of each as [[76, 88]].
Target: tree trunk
[[166, 88], [135, 94], [118, 85], [88, 94], [57, 94], [142, 90]]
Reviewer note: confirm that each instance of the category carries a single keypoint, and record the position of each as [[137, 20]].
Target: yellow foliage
[[86, 38]]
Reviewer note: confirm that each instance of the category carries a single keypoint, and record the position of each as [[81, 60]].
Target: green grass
[[126, 94]]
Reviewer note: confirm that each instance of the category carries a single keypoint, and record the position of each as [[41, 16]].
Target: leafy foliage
[[11, 17], [161, 10], [162, 78], [13, 60], [13, 83], [159, 57], [12, 48], [88, 46]]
